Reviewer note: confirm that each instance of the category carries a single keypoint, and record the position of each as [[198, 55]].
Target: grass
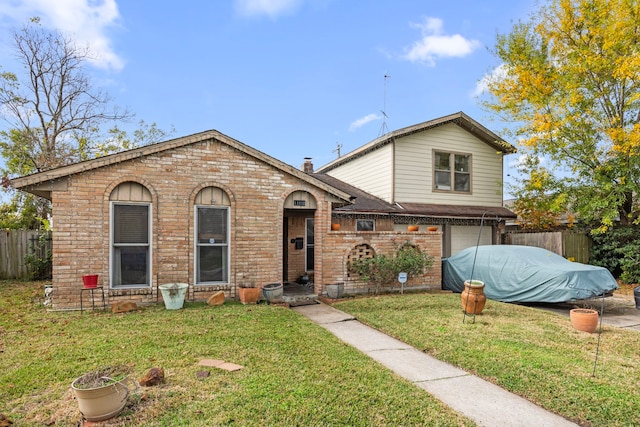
[[531, 352], [294, 372]]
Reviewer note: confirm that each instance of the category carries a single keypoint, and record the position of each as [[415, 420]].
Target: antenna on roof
[[337, 150], [383, 128]]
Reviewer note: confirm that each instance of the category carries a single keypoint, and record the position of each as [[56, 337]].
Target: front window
[[130, 249], [212, 244], [365, 225], [452, 172]]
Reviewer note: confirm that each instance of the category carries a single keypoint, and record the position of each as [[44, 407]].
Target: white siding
[[414, 168], [372, 173], [463, 237]]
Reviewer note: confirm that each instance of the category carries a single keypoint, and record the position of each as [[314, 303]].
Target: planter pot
[[90, 280], [273, 292], [249, 295], [335, 227], [584, 319], [303, 280], [432, 228], [473, 298], [636, 296], [413, 228], [173, 295], [101, 403], [334, 290]]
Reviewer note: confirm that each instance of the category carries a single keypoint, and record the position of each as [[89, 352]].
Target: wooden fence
[[575, 246], [15, 245]]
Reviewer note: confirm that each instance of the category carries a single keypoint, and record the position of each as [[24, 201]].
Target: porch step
[[296, 295], [299, 300]]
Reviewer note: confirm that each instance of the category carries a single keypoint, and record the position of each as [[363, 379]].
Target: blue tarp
[[513, 273]]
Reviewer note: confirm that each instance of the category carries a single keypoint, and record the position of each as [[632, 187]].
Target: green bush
[[39, 258], [618, 250], [384, 269]]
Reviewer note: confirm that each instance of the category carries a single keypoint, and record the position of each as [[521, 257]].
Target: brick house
[[209, 211]]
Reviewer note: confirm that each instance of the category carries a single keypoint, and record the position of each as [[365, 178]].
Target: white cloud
[[85, 21], [434, 44], [363, 121], [497, 74], [271, 8]]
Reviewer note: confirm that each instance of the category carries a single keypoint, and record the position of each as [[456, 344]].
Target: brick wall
[[339, 244], [257, 192]]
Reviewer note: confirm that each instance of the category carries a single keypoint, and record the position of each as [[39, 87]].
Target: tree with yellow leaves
[[570, 84]]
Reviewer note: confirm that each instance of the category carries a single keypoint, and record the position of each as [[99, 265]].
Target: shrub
[[39, 258], [618, 251], [384, 269]]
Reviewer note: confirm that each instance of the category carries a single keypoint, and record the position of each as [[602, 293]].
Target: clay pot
[[473, 298], [335, 227], [249, 295], [432, 228], [584, 319], [413, 227]]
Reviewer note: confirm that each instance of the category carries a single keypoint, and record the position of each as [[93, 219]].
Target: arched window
[[212, 257], [130, 236]]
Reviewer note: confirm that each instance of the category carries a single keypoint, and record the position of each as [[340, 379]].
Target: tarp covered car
[[514, 273]]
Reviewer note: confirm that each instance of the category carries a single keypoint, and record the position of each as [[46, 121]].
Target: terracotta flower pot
[[473, 298], [413, 227], [335, 227], [584, 319], [249, 295], [432, 228]]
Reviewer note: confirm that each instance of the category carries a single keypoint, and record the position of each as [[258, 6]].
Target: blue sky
[[292, 78]]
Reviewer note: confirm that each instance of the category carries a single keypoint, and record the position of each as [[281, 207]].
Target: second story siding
[[414, 168]]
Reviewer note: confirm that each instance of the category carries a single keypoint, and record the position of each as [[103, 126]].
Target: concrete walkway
[[479, 400]]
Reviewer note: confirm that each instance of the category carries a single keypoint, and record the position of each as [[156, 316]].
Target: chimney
[[307, 167]]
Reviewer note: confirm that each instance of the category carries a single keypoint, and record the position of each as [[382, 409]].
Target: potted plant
[[248, 293], [101, 394]]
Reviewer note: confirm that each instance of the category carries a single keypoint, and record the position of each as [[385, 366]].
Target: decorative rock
[[216, 299], [5, 421], [202, 374], [155, 376], [123, 307]]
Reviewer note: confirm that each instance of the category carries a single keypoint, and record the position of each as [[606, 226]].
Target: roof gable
[[42, 183], [460, 119]]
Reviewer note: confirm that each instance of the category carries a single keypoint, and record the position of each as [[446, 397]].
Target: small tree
[[384, 269]]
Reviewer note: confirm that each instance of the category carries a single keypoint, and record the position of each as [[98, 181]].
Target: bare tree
[[54, 112]]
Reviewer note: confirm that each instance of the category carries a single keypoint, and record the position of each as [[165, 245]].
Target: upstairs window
[[452, 172]]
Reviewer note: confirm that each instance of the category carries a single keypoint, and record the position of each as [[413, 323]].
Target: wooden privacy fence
[[15, 245], [572, 245]]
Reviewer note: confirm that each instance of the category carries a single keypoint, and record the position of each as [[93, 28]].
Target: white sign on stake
[[402, 278]]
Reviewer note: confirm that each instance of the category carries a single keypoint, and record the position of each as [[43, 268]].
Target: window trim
[[112, 244], [197, 245], [452, 172]]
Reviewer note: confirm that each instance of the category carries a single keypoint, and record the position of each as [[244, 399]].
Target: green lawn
[[531, 352], [295, 373]]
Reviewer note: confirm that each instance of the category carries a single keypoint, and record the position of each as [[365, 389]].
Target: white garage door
[[463, 237]]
